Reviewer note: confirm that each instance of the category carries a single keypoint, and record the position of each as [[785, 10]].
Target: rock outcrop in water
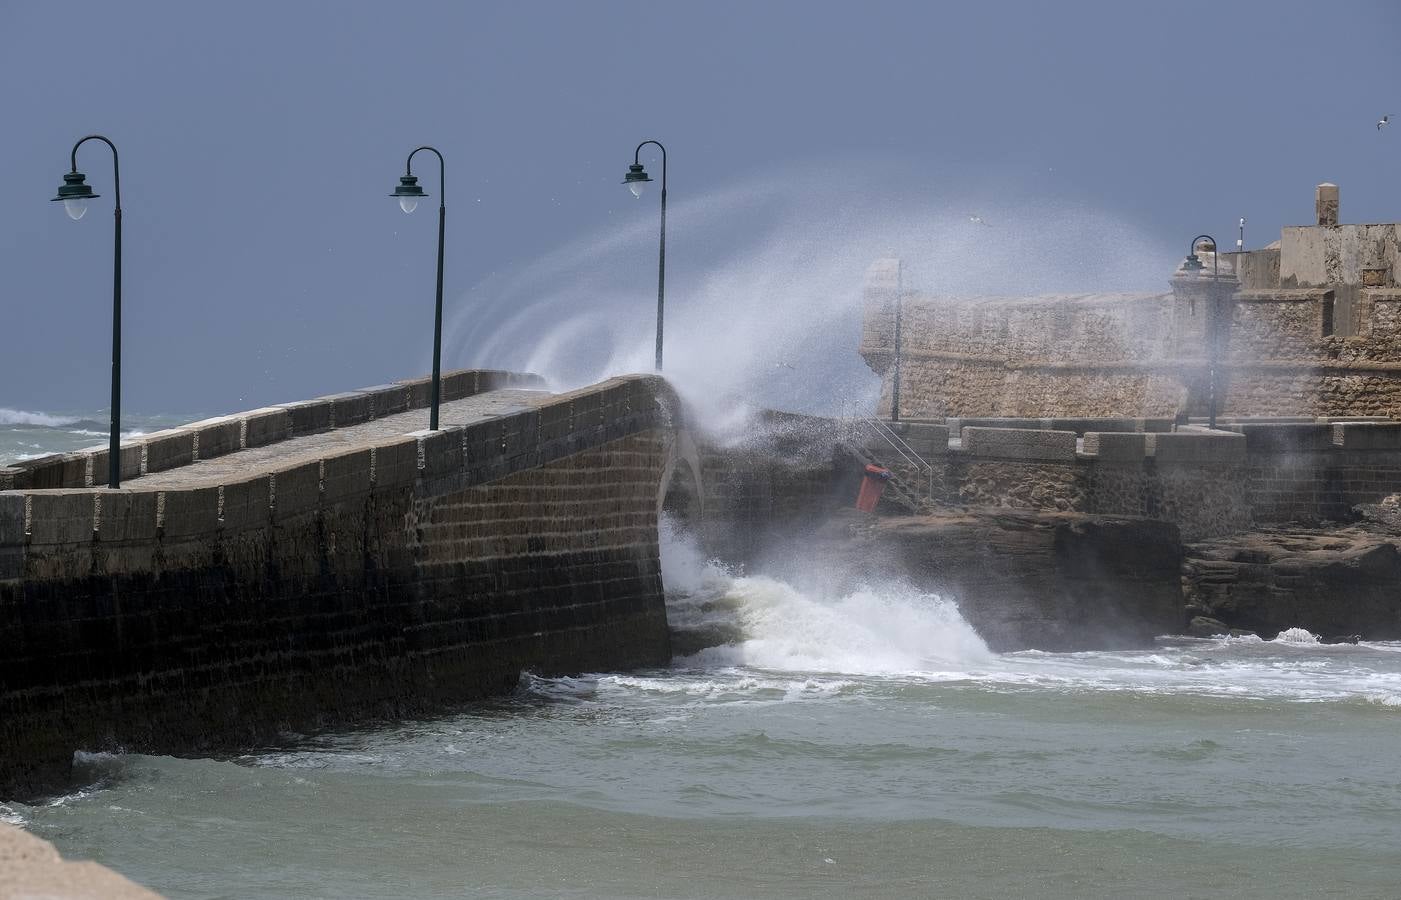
[[1335, 583], [1035, 580]]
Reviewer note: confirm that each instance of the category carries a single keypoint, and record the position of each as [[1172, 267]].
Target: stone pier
[[328, 561]]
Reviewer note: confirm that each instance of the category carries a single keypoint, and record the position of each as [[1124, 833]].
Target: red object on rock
[[872, 483]]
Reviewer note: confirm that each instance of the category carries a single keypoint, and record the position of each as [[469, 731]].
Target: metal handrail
[[901, 448]]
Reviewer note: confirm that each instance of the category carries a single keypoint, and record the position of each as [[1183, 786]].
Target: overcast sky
[[264, 261]]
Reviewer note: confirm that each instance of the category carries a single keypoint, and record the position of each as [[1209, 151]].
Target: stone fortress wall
[[1314, 330], [350, 579]]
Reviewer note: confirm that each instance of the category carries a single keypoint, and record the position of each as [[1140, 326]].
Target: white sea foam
[[43, 420], [1296, 636]]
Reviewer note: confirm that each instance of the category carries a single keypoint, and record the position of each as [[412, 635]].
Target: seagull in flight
[[1383, 122]]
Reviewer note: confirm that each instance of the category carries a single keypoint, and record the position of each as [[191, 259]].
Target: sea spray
[[764, 622], [770, 315]]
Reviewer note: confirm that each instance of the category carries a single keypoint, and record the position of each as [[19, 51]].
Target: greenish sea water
[[866, 745]]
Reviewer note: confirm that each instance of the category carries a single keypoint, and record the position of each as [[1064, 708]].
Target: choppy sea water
[[25, 434], [866, 744]]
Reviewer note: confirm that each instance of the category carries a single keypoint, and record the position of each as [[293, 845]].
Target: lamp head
[[75, 194], [409, 193], [1193, 263], [636, 179]]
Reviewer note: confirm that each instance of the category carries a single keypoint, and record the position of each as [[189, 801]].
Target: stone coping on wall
[[208, 438], [1234, 443], [553, 427]]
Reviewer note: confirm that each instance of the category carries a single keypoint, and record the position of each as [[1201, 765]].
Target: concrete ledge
[[349, 408], [131, 464], [169, 450], [1367, 435], [1197, 448], [345, 477], [1116, 446], [420, 391], [308, 416], [1285, 437], [11, 518], [127, 516], [266, 426], [441, 452], [388, 399], [459, 384], [190, 512], [1019, 443], [296, 490], [63, 516], [215, 437], [395, 463], [247, 504], [12, 477]]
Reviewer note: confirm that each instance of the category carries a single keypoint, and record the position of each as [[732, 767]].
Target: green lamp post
[[1193, 263], [75, 194], [636, 179], [409, 193]]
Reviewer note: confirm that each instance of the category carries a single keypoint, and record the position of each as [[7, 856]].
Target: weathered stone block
[[387, 399], [441, 452], [131, 464], [420, 391], [395, 463], [458, 384], [267, 426], [190, 512], [247, 504], [296, 490], [1368, 436], [61, 517], [1286, 437], [349, 408], [12, 477], [1117, 446], [215, 437], [11, 518], [345, 477], [127, 516], [1017, 443], [1197, 449], [1084, 425], [308, 416], [169, 449], [43, 472]]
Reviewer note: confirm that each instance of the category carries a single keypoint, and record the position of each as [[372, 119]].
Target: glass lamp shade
[[76, 207], [408, 204], [637, 187]]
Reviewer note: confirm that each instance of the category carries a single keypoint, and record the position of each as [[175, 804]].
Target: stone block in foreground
[[31, 868], [1019, 443]]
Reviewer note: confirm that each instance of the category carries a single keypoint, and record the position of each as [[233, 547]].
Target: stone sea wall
[[1288, 351], [380, 580]]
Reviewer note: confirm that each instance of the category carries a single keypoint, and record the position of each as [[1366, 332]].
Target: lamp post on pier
[[1193, 264], [409, 193], [636, 179], [75, 194]]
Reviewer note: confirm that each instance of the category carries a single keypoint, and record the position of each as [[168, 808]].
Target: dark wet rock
[[1205, 626], [1026, 579], [1342, 581], [1340, 639]]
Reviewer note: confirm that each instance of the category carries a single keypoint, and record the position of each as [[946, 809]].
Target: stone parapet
[[1016, 443], [175, 447], [215, 605]]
